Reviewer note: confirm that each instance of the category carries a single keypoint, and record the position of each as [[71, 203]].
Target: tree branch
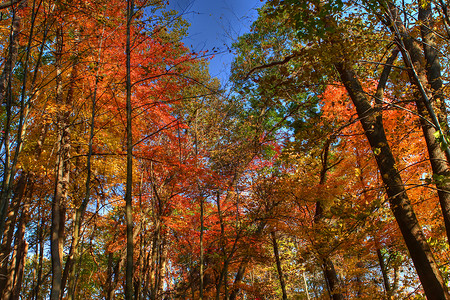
[[275, 63], [8, 4]]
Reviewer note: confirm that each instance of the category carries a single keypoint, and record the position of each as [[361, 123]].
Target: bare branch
[[8, 4]]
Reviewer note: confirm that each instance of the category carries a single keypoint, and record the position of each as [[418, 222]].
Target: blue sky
[[217, 24]]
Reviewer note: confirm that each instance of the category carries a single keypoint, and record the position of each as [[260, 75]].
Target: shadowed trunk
[[62, 176], [129, 183], [420, 252], [424, 72], [278, 262]]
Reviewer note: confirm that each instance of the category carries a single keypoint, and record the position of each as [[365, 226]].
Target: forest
[[319, 171]]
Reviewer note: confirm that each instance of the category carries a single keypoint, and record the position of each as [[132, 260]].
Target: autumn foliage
[[281, 186]]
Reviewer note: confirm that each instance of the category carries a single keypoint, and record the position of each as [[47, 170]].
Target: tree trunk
[[22, 248], [384, 272], [238, 278], [278, 262], [332, 279], [10, 226], [79, 214], [202, 255], [371, 121], [331, 276], [40, 245], [6, 97], [433, 65], [243, 266], [428, 102], [62, 177], [224, 274], [129, 183]]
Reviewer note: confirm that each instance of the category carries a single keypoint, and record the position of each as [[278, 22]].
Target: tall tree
[[129, 183], [329, 32]]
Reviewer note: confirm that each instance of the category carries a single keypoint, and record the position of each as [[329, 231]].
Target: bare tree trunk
[[278, 262], [386, 284], [202, 251], [10, 169], [162, 266], [129, 183], [429, 103], [371, 121], [10, 226], [238, 278], [21, 248], [331, 276], [154, 259], [62, 178], [17, 258], [40, 245], [6, 97], [224, 274], [433, 65], [243, 266], [79, 214], [13, 52]]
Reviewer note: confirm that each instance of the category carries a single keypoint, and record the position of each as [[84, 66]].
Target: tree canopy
[[319, 172]]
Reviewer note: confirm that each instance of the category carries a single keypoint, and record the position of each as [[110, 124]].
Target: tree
[[341, 54]]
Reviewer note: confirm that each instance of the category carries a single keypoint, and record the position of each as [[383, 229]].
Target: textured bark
[[21, 247], [439, 162], [18, 279], [81, 209], [162, 267], [62, 177], [11, 270], [420, 252], [432, 62], [10, 226], [13, 50], [424, 72], [41, 228], [15, 268], [6, 98], [70, 265], [114, 273], [154, 259], [129, 183]]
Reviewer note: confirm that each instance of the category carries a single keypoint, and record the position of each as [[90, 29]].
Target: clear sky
[[216, 24]]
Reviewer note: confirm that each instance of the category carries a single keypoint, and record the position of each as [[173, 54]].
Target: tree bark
[[278, 262], [420, 252], [432, 62], [21, 248], [386, 283], [62, 177], [424, 71], [6, 97], [129, 183], [10, 226], [223, 278]]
